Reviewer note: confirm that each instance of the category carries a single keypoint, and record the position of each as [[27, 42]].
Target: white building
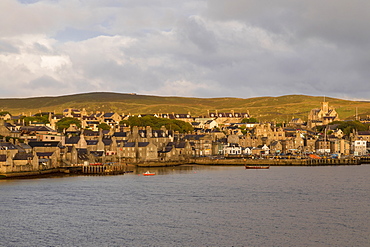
[[359, 147], [248, 151], [232, 149]]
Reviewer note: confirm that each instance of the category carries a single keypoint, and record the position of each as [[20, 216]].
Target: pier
[[104, 169], [279, 162]]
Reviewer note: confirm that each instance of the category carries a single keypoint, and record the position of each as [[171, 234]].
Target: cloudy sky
[[195, 48]]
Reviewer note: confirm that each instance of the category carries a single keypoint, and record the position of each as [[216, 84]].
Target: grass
[[279, 109]]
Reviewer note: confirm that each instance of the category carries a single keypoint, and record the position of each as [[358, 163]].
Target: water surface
[[191, 206]]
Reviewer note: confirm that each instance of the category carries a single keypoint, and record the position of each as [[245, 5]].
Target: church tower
[[325, 107]]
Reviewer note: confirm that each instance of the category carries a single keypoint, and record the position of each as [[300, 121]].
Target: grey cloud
[[28, 1], [6, 47], [74, 34], [336, 21], [237, 48], [44, 82], [41, 48], [195, 31]]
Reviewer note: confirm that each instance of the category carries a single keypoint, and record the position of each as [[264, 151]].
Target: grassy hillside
[[278, 109]]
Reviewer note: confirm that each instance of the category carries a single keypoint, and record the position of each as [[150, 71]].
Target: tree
[[64, 123], [104, 126], [39, 119], [157, 123], [243, 129], [3, 113], [348, 126], [250, 120]]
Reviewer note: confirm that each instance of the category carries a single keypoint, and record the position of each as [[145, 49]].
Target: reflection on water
[[165, 170], [191, 206]]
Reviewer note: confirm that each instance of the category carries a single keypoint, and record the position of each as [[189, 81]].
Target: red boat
[[96, 164], [148, 173], [257, 167]]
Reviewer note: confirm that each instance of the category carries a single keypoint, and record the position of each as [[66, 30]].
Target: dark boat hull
[[257, 167]]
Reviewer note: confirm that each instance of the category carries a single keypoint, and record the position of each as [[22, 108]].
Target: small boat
[[147, 173], [257, 167], [96, 164]]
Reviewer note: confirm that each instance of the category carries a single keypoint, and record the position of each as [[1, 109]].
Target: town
[[103, 142]]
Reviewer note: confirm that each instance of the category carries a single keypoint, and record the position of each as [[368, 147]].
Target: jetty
[[279, 162], [78, 169], [104, 169]]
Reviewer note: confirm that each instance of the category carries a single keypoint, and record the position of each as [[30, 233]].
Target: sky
[[194, 48]]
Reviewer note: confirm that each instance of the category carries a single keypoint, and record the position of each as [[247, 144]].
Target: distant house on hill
[[5, 116], [228, 117], [178, 116], [296, 122], [75, 113]]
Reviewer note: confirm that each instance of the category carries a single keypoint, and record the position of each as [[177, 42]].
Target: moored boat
[[147, 173], [257, 167], [96, 164]]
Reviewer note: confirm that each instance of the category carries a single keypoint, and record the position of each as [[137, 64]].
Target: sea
[[191, 206]]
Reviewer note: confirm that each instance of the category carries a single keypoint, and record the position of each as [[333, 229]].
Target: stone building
[[176, 151], [323, 146], [322, 116], [20, 158], [276, 147], [202, 144]]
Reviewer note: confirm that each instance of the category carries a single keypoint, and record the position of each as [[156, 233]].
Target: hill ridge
[[265, 108]]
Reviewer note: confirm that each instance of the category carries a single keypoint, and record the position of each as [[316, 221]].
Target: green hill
[[278, 109]]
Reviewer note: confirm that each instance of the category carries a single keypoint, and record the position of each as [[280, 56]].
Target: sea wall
[[157, 164], [31, 173], [276, 162]]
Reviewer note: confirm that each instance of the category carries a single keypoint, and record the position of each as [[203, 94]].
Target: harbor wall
[[277, 162], [31, 173], [122, 168]]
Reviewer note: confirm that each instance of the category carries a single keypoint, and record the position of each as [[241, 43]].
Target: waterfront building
[[261, 150], [232, 149], [176, 151], [19, 158], [359, 147], [276, 147], [323, 147], [340, 146], [361, 135], [202, 144]]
